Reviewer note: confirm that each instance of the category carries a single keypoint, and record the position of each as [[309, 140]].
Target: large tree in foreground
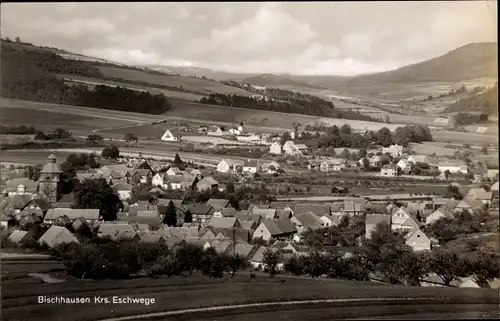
[[97, 194]]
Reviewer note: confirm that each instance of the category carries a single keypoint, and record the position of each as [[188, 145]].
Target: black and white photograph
[[241, 161]]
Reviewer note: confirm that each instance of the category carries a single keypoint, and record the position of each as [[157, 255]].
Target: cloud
[[307, 38]]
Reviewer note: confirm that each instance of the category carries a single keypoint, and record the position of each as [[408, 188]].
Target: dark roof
[[309, 220], [73, 214], [278, 227], [218, 203], [152, 221], [223, 222], [248, 217], [199, 208]]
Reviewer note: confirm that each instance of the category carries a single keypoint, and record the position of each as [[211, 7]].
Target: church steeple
[[50, 176]]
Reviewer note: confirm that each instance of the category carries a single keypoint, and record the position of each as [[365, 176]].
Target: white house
[[159, 180], [168, 136], [402, 220], [403, 164], [234, 131], [228, 166], [174, 171], [414, 159], [389, 170], [270, 168], [275, 148], [336, 165], [250, 166], [292, 149], [453, 167], [123, 190], [214, 131], [394, 150], [417, 240]]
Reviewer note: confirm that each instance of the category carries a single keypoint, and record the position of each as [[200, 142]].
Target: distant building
[[394, 150], [389, 170], [336, 165], [214, 131], [250, 166], [479, 194], [453, 167], [169, 137], [50, 177], [401, 220], [274, 229], [207, 183], [403, 164], [292, 149], [418, 240], [275, 148], [20, 186], [123, 190], [229, 166]]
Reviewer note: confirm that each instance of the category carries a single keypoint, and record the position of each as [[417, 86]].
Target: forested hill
[[28, 73], [486, 102]]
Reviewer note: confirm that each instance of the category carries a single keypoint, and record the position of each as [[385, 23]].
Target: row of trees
[[31, 75], [486, 102], [464, 119], [314, 107], [386, 256], [107, 259], [58, 133]]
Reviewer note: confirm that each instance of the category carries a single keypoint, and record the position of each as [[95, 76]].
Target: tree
[[230, 187], [111, 152], [188, 217], [170, 217], [484, 150], [18, 40], [384, 137], [97, 194], [484, 267], [285, 137], [92, 163], [362, 153], [453, 192], [177, 160], [234, 262], [33, 172], [345, 129], [130, 137], [271, 261], [144, 165], [345, 154], [447, 173], [446, 264], [295, 265], [94, 139]]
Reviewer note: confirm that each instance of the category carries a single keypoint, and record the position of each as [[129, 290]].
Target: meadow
[[186, 83], [20, 302]]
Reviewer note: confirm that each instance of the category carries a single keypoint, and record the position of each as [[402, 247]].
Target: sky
[[313, 38]]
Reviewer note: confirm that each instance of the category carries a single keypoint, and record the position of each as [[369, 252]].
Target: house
[[393, 150], [229, 166], [234, 131], [90, 215], [219, 203], [257, 259], [221, 246], [173, 171], [57, 235], [418, 240], [306, 221], [200, 212], [492, 174], [402, 220], [389, 170], [336, 165], [244, 250], [207, 183], [339, 190], [84, 175], [274, 229], [250, 166], [159, 179], [154, 222], [65, 201], [180, 233], [22, 237], [318, 209], [404, 164], [290, 149], [372, 220], [442, 212], [20, 186], [151, 237], [354, 206], [121, 170], [465, 282], [224, 222], [275, 148], [196, 173], [469, 205], [111, 229], [269, 213], [415, 159], [453, 167], [248, 138], [123, 190], [169, 137], [141, 176], [478, 174], [479, 194], [248, 217], [214, 131], [330, 220], [270, 168]]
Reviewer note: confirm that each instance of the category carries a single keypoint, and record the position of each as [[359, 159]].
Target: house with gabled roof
[[418, 240], [201, 212], [453, 167], [318, 209], [265, 213], [206, 184], [354, 206], [182, 233], [112, 229], [20, 186], [371, 221], [306, 221], [274, 229], [245, 250], [389, 170], [479, 194], [57, 235], [169, 137], [275, 148], [224, 222], [250, 166], [219, 203], [22, 237], [255, 218], [442, 212], [90, 215], [469, 205], [330, 220], [230, 166], [401, 220], [225, 212], [257, 258], [123, 190], [151, 237]]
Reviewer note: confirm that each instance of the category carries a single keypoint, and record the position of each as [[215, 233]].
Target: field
[[187, 83], [211, 140], [177, 293], [264, 121], [167, 93]]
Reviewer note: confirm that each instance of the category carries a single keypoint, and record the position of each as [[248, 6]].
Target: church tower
[[50, 176]]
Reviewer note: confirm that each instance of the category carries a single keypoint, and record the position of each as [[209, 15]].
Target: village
[[175, 203]]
